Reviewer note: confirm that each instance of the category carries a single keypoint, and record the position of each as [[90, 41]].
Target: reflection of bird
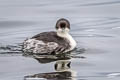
[[63, 72], [51, 42], [62, 65]]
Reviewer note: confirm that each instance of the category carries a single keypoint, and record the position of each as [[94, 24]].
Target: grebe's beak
[[63, 29]]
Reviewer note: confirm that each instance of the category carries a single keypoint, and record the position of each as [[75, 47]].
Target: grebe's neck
[[63, 34], [69, 38]]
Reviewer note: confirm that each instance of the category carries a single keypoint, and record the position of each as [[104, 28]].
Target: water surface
[[95, 25]]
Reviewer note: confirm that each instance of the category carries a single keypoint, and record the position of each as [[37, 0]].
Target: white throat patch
[[65, 34]]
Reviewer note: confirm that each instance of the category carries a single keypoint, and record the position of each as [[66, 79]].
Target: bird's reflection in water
[[61, 66], [63, 72]]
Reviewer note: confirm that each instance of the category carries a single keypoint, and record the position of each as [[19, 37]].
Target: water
[[95, 25]]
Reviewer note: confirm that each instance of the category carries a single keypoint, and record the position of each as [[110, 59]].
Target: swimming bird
[[53, 42]]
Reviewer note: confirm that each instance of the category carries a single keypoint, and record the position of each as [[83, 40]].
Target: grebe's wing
[[38, 46]]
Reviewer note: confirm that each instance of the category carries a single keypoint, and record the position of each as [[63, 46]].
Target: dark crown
[[62, 23]]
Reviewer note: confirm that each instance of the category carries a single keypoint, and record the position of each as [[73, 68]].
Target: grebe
[[51, 42]]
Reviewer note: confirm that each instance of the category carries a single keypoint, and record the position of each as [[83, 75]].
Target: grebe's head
[[62, 26]]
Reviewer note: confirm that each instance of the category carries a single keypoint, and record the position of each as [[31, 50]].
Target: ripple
[[10, 49], [101, 3], [95, 24], [91, 35], [15, 23], [110, 74]]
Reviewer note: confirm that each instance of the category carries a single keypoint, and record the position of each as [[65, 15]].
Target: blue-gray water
[[95, 25]]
